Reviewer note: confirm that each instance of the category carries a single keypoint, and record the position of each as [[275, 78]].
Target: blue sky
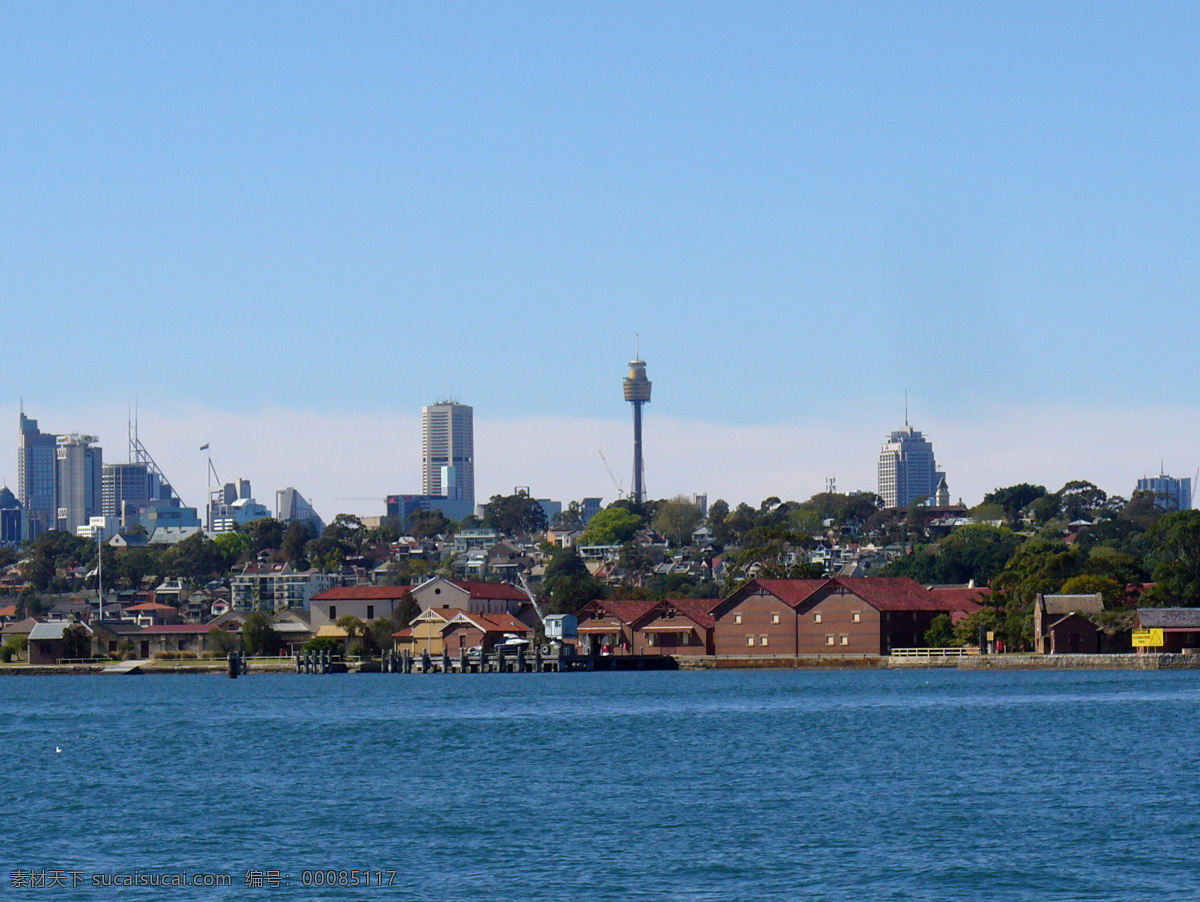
[[804, 209]]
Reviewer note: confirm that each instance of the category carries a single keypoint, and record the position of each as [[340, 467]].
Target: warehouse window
[[762, 640], [817, 617], [857, 617], [845, 640], [749, 640], [775, 618], [737, 618], [829, 640]]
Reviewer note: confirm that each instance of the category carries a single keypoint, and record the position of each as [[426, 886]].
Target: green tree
[[407, 610], [677, 519], [77, 642], [265, 534], [221, 641], [1038, 566], [1112, 591], [612, 526], [570, 518], [977, 552], [514, 515], [941, 633], [1014, 499], [1175, 546], [567, 584], [258, 636], [427, 524], [234, 547], [293, 543]]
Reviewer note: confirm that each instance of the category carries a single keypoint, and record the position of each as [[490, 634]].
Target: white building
[[448, 453], [276, 587], [907, 469]]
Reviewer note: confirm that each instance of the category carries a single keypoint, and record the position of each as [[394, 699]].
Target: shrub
[[174, 656]]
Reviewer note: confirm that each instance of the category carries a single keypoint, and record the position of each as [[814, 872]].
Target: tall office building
[[448, 453], [130, 482], [907, 469], [36, 465], [1169, 493], [78, 480]]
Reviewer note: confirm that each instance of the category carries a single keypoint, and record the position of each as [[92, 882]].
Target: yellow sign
[[1148, 638], [991, 635]]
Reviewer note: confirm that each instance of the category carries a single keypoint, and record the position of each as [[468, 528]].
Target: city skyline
[[378, 453]]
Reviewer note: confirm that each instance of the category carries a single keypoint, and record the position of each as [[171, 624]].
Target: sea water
[[929, 784]]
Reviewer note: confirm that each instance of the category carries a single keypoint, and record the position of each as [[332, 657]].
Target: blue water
[[931, 785]]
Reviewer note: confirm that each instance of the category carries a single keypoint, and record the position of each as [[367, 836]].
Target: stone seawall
[[1080, 662], [776, 662]]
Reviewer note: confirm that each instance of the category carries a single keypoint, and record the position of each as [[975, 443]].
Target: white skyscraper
[[907, 470], [448, 452]]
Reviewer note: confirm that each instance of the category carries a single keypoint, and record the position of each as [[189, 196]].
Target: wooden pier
[[543, 659]]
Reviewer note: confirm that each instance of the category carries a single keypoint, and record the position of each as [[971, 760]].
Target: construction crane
[[620, 490], [537, 608]]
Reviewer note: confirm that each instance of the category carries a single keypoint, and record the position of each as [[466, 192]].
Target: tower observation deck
[[637, 393]]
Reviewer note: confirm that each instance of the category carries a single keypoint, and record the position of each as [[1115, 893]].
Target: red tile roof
[[625, 611], [151, 606], [361, 593], [8, 611], [403, 634], [884, 593], [694, 609], [505, 591], [496, 623], [963, 600]]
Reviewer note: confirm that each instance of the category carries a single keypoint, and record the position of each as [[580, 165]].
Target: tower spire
[[637, 392]]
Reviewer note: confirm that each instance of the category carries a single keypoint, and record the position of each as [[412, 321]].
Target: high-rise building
[[907, 469], [36, 466], [78, 480], [1170, 494], [448, 453], [292, 507], [139, 494], [637, 392], [11, 518]]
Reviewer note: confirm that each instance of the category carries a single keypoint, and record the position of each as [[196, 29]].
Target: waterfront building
[[448, 453], [1169, 493], [467, 595], [277, 587], [364, 602], [907, 470], [839, 616]]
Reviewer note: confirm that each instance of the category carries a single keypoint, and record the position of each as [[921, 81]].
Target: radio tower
[[637, 393]]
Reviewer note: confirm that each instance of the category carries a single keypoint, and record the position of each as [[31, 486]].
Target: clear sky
[[260, 217]]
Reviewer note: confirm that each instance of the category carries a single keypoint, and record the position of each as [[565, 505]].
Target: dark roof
[[884, 593], [625, 611], [362, 593], [1073, 604], [504, 591], [694, 609], [160, 628], [1169, 618]]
